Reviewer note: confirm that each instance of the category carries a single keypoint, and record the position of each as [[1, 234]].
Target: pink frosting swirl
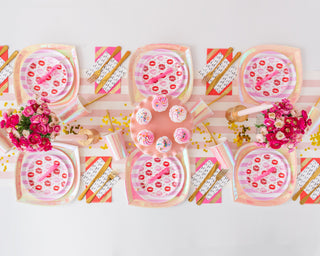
[[160, 103], [145, 137], [182, 135]]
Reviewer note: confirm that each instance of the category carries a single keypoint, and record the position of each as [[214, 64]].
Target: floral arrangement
[[283, 125], [33, 127]]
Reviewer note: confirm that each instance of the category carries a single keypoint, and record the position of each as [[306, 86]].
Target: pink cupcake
[[164, 144], [145, 137], [182, 135], [177, 114], [160, 103]]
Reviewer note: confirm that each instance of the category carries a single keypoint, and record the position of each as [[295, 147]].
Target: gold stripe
[[5, 86], [201, 160], [90, 160], [304, 163], [107, 196], [100, 51], [317, 201], [216, 198], [115, 89], [213, 52]]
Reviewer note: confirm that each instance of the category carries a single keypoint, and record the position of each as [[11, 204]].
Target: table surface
[[186, 229]]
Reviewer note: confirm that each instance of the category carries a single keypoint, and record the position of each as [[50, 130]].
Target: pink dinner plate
[[37, 65], [255, 165], [280, 85], [54, 185], [153, 187]]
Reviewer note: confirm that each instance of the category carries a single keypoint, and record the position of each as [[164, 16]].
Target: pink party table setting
[[170, 140]]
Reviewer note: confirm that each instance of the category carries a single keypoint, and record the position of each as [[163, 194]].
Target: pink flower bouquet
[[283, 125], [33, 127]]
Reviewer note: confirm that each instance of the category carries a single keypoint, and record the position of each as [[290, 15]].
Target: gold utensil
[[211, 135], [97, 73], [110, 121], [4, 49], [219, 176], [208, 176], [221, 95], [314, 175], [106, 78], [94, 100], [111, 176], [219, 76], [303, 200], [98, 175], [208, 76], [13, 55]]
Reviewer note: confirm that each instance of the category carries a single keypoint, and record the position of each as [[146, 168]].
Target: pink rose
[[33, 127], [44, 119], [13, 121], [35, 119], [28, 111], [31, 102], [34, 138], [57, 128], [45, 100], [41, 128]]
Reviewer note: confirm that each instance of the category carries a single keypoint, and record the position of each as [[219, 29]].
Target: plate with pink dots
[[45, 183], [57, 83], [157, 179], [264, 174]]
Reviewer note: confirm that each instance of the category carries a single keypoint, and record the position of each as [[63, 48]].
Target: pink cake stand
[[160, 125]]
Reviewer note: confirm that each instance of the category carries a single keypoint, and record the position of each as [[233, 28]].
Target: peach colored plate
[[160, 125]]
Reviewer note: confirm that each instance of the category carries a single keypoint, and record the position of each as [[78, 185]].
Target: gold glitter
[[5, 168], [104, 147], [205, 150], [125, 104], [5, 104]]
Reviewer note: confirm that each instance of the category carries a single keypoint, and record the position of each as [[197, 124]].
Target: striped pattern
[[175, 168], [107, 197], [143, 61], [119, 107], [248, 162], [99, 51], [59, 57]]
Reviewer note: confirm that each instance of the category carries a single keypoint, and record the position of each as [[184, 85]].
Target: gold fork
[[208, 76], [208, 176], [219, 176], [97, 73], [303, 200], [106, 78], [111, 176], [313, 176]]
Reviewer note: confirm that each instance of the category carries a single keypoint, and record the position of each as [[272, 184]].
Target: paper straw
[[109, 118], [255, 109], [211, 135], [221, 95], [94, 100]]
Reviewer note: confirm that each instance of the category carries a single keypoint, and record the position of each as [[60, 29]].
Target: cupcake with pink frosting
[[145, 137], [182, 135], [143, 116], [160, 103], [164, 144], [177, 114]]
